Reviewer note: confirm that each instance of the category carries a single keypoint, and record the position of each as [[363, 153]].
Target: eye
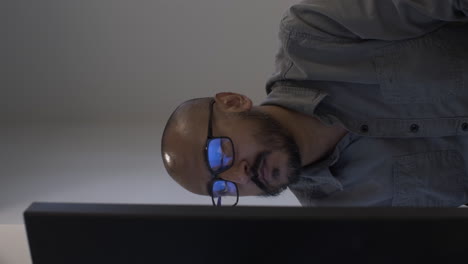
[[223, 146], [224, 191], [227, 159], [220, 188]]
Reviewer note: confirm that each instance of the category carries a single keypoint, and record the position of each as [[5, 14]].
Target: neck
[[314, 139]]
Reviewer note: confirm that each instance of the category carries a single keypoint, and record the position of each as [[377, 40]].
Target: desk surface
[[14, 245]]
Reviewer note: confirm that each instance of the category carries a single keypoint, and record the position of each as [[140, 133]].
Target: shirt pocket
[[420, 70], [430, 179]]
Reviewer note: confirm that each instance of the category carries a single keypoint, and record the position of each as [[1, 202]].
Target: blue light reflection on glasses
[[224, 188], [216, 156]]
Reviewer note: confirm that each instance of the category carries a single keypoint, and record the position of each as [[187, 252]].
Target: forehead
[[185, 152]]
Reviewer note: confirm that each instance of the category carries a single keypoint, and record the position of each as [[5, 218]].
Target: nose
[[239, 173]]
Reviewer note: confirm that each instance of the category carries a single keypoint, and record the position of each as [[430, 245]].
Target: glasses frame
[[214, 174]]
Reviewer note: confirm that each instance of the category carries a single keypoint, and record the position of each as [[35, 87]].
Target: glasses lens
[[225, 190], [220, 154]]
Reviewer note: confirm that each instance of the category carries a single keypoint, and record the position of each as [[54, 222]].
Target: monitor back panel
[[106, 233]]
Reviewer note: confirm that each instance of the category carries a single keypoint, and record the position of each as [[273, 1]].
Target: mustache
[[261, 157], [254, 171]]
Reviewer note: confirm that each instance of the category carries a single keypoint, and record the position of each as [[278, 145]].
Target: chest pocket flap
[[430, 179]]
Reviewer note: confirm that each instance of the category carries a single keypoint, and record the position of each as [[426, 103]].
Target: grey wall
[[86, 87]]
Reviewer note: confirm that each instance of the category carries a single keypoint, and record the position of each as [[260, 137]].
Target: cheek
[[278, 158], [249, 189], [246, 148]]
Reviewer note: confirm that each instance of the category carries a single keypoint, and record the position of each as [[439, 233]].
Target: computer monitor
[[69, 233]]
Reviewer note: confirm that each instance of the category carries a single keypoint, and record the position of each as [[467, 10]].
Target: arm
[[374, 19]]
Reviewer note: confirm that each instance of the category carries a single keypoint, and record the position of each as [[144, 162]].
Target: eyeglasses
[[219, 155]]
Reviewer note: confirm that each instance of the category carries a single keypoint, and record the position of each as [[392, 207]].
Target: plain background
[[87, 86]]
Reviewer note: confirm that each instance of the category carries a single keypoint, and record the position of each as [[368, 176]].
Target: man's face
[[267, 159]]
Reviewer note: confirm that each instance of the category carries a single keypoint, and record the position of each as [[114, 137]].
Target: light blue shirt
[[395, 75]]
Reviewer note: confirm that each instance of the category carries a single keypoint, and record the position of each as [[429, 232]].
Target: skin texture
[[271, 144]]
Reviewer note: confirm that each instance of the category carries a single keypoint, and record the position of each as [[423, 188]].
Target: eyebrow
[[208, 187], [209, 134], [208, 184]]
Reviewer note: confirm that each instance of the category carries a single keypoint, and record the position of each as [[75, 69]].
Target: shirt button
[[364, 128], [465, 126], [414, 128]]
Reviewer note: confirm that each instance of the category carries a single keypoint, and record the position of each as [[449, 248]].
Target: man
[[368, 107]]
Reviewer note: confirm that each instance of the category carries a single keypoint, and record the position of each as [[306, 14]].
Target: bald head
[[183, 143]]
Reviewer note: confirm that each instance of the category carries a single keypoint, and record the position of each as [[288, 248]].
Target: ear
[[233, 102]]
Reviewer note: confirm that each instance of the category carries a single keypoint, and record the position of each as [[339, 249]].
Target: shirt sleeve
[[373, 19]]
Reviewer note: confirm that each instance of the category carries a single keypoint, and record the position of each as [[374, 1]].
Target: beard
[[273, 137]]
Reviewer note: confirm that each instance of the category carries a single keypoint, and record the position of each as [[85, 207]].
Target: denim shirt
[[395, 75]]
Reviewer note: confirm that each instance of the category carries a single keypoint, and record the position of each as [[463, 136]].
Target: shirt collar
[[316, 176], [304, 100]]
